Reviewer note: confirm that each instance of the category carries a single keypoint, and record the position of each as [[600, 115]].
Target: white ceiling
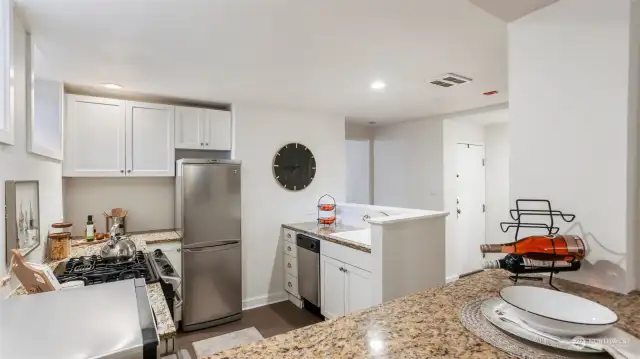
[[306, 54], [510, 10]]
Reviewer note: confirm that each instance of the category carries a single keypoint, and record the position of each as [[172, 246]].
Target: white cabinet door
[[359, 290], [150, 146], [189, 129], [217, 130], [332, 287], [94, 137]]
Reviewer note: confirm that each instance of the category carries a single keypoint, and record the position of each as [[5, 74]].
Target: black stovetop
[[96, 270]]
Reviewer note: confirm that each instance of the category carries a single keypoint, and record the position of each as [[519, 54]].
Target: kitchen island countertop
[[324, 232], [421, 325], [164, 322]]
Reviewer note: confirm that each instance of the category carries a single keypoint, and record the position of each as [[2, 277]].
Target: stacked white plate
[[549, 317]]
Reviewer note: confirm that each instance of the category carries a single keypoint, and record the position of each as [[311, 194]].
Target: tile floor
[[270, 320]]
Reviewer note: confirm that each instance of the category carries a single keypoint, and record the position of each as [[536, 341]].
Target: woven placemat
[[472, 319]]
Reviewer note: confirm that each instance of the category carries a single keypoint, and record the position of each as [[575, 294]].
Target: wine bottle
[[553, 247], [518, 264]]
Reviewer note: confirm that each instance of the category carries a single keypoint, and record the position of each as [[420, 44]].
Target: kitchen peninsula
[[164, 323], [421, 325]]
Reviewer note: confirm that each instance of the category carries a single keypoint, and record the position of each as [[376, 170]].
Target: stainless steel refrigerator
[[208, 217]]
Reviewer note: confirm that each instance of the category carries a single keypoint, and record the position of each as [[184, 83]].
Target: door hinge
[[483, 162], [484, 208]]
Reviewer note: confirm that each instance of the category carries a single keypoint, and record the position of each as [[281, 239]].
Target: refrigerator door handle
[[212, 247]]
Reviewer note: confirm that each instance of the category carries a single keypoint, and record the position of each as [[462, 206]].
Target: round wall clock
[[294, 166]]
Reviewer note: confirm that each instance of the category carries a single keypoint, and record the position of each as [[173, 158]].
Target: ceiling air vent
[[449, 80]]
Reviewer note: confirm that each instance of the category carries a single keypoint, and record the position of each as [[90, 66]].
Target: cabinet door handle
[[289, 265], [344, 270], [341, 269], [290, 285], [178, 249], [128, 171], [206, 144], [289, 248], [201, 143], [121, 171], [288, 235]]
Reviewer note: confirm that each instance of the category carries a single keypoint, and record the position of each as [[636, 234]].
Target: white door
[[189, 129], [94, 137], [359, 291], [332, 291], [150, 148], [358, 171], [217, 131], [470, 220]]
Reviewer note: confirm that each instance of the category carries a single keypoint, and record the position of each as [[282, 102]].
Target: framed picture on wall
[[22, 201], [45, 99]]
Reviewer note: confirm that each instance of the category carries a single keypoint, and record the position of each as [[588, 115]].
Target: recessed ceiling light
[[378, 85], [112, 86]]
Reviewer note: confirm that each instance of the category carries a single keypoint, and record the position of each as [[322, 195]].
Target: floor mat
[[220, 343], [184, 354]]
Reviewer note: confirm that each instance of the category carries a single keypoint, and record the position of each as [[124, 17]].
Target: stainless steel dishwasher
[[309, 270]]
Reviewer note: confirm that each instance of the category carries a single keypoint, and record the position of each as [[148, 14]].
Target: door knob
[[290, 285], [128, 171], [458, 211], [206, 144], [288, 235], [289, 248], [121, 171], [289, 265]]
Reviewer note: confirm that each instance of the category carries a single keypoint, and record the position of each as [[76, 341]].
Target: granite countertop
[[164, 322], [313, 229], [157, 237], [421, 325]]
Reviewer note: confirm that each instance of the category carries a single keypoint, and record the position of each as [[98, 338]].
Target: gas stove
[[96, 270]]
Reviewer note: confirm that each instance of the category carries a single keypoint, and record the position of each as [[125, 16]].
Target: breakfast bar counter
[[421, 325]]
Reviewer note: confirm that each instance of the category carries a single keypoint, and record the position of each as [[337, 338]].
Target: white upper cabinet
[[114, 138], [190, 122], [217, 130], [203, 129], [149, 139], [94, 137]]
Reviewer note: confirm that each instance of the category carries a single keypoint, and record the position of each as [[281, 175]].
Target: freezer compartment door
[[210, 203], [212, 283]]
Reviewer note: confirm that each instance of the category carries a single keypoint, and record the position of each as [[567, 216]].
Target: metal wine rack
[[523, 210]]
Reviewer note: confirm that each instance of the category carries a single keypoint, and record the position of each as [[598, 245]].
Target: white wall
[[260, 132], [358, 154], [572, 133], [359, 167], [496, 139], [17, 164], [150, 202], [408, 165], [455, 130]]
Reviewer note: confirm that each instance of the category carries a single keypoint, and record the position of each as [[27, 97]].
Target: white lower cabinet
[[344, 288], [358, 292], [332, 288]]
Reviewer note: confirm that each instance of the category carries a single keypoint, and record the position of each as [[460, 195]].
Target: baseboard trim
[[263, 300], [452, 278]]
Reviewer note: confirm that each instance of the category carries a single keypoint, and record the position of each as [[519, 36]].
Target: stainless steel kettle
[[119, 247]]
